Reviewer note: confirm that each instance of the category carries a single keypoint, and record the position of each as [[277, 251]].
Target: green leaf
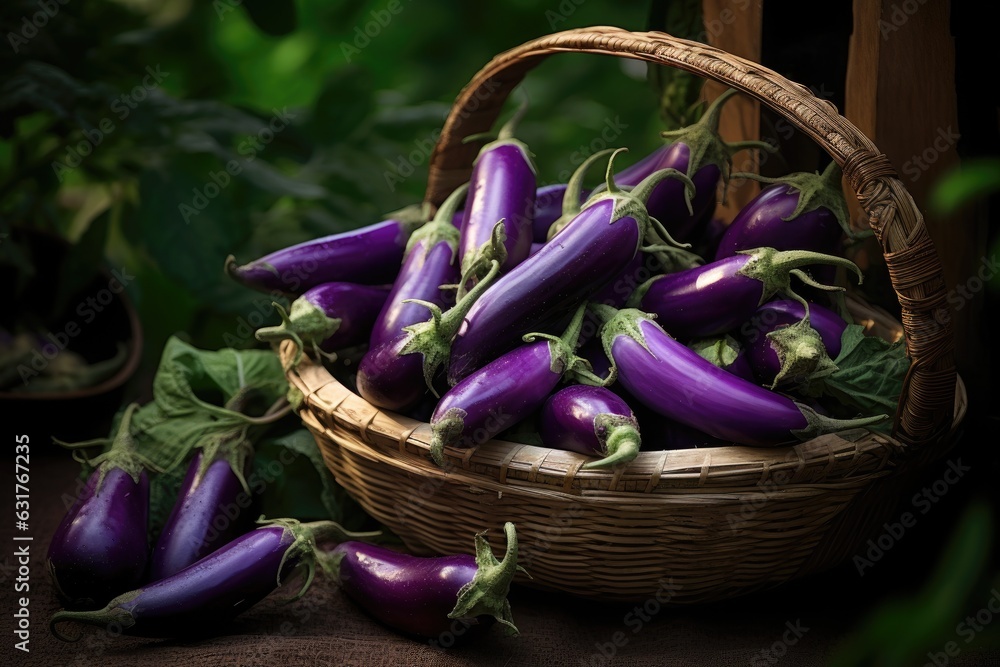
[[869, 375], [974, 179]]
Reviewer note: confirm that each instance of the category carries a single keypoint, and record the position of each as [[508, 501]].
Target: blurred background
[[146, 141]]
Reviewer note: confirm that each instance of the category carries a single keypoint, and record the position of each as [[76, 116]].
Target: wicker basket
[[701, 524]]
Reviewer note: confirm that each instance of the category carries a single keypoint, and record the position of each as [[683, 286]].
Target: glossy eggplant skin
[[437, 598], [548, 208], [540, 293], [356, 307], [403, 591], [370, 255], [676, 382], [391, 379], [580, 418], [199, 523], [502, 187], [666, 203], [784, 312], [200, 599], [100, 548]]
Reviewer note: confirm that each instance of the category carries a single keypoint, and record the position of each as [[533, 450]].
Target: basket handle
[[926, 404]]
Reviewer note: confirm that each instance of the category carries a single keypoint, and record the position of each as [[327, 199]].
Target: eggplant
[[214, 506], [700, 153], [727, 353], [677, 382], [370, 255], [329, 317], [201, 598], [548, 209], [720, 296], [789, 343], [398, 373], [591, 420], [435, 598], [100, 547], [541, 292], [501, 188], [428, 267], [505, 391]]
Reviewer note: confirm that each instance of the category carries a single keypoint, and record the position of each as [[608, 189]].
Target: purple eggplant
[[435, 598], [370, 256], [428, 266], [398, 373], [700, 153], [202, 520], [199, 599], [548, 208], [790, 344], [330, 317], [591, 420], [725, 352], [502, 188], [541, 292], [505, 391], [100, 547], [676, 382], [721, 296], [801, 211]]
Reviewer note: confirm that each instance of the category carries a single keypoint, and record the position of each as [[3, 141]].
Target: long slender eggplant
[[370, 255], [429, 265], [435, 598], [203, 597], [700, 153], [591, 420], [502, 187], [505, 391], [100, 547], [398, 373], [540, 293], [202, 518], [801, 211], [330, 317], [676, 382], [548, 209], [721, 296], [788, 343]]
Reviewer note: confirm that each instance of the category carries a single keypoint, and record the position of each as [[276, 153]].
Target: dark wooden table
[[323, 628]]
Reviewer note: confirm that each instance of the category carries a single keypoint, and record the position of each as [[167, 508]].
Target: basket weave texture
[[694, 525]]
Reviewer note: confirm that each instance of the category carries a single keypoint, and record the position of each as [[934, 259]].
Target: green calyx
[[505, 137], [440, 229], [707, 147], [773, 268], [619, 435], [305, 324], [487, 593], [801, 352], [562, 350], [817, 424], [122, 454], [235, 447], [721, 350], [475, 266], [445, 431], [624, 322], [432, 338], [574, 191], [410, 217], [816, 190], [116, 612]]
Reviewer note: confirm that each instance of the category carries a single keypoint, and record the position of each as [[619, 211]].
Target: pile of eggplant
[[578, 319]]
